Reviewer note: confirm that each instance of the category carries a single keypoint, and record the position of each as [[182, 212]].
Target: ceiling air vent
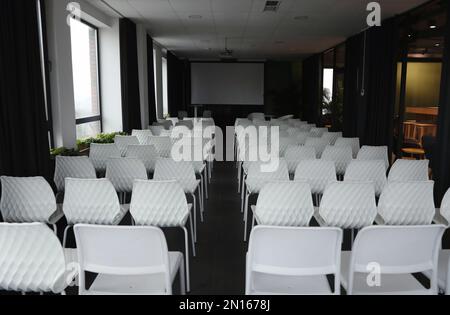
[[271, 6]]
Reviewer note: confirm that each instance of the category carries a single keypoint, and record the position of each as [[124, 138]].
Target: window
[[84, 39], [165, 89], [45, 72]]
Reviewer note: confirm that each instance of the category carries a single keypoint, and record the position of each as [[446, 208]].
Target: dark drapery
[[24, 148], [442, 152], [178, 84], [380, 84], [131, 108], [352, 84], [151, 82], [312, 85]]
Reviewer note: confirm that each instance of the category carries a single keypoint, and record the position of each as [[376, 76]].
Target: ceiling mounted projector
[[227, 53]]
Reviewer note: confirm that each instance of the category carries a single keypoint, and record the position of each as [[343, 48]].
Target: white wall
[[111, 90], [141, 34], [158, 81]]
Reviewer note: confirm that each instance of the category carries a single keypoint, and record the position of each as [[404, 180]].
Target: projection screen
[[227, 83]]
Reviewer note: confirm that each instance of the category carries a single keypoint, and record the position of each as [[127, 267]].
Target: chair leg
[[239, 178], [194, 201], [202, 206], [194, 253], [253, 221], [206, 184], [55, 229], [243, 193], [66, 229], [245, 216], [186, 255], [182, 276]]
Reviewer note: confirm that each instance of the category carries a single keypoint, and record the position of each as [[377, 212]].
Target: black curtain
[[380, 85], [151, 82], [174, 84], [441, 169], [352, 84], [312, 94], [23, 123], [131, 108]]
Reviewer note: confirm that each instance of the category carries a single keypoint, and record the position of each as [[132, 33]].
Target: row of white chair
[[127, 260], [94, 201], [286, 260]]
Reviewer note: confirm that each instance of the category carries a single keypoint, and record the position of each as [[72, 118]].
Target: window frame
[[99, 118]]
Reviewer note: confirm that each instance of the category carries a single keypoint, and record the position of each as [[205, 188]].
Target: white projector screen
[[227, 83]]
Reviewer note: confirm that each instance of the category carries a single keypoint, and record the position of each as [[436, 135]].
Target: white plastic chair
[[122, 142], [146, 154], [391, 254], [307, 127], [29, 199], [285, 143], [157, 131], [163, 204], [406, 203], [295, 154], [331, 137], [443, 274], [122, 173], [183, 172], [73, 167], [163, 145], [128, 260], [142, 135], [367, 171], [91, 201], [443, 214], [284, 203], [318, 132], [257, 116], [256, 179], [348, 205], [33, 260], [287, 260], [99, 154], [352, 142], [374, 153], [318, 173], [318, 144], [409, 170], [341, 156]]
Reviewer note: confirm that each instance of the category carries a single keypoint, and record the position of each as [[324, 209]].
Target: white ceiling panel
[[198, 28]]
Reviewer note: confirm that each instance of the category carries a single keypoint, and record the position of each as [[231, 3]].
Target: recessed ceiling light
[[437, 44], [432, 24], [301, 17], [195, 16]]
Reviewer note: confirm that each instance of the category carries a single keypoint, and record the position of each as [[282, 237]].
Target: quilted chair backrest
[[159, 203], [331, 137], [407, 203], [317, 143], [122, 142], [295, 154], [99, 154], [285, 203], [409, 170], [259, 173], [73, 167], [445, 206], [142, 135], [163, 145], [341, 156], [26, 199], [123, 172], [318, 132], [318, 173], [182, 171], [367, 171], [352, 142], [374, 153], [146, 153], [348, 205], [31, 259], [90, 201]]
